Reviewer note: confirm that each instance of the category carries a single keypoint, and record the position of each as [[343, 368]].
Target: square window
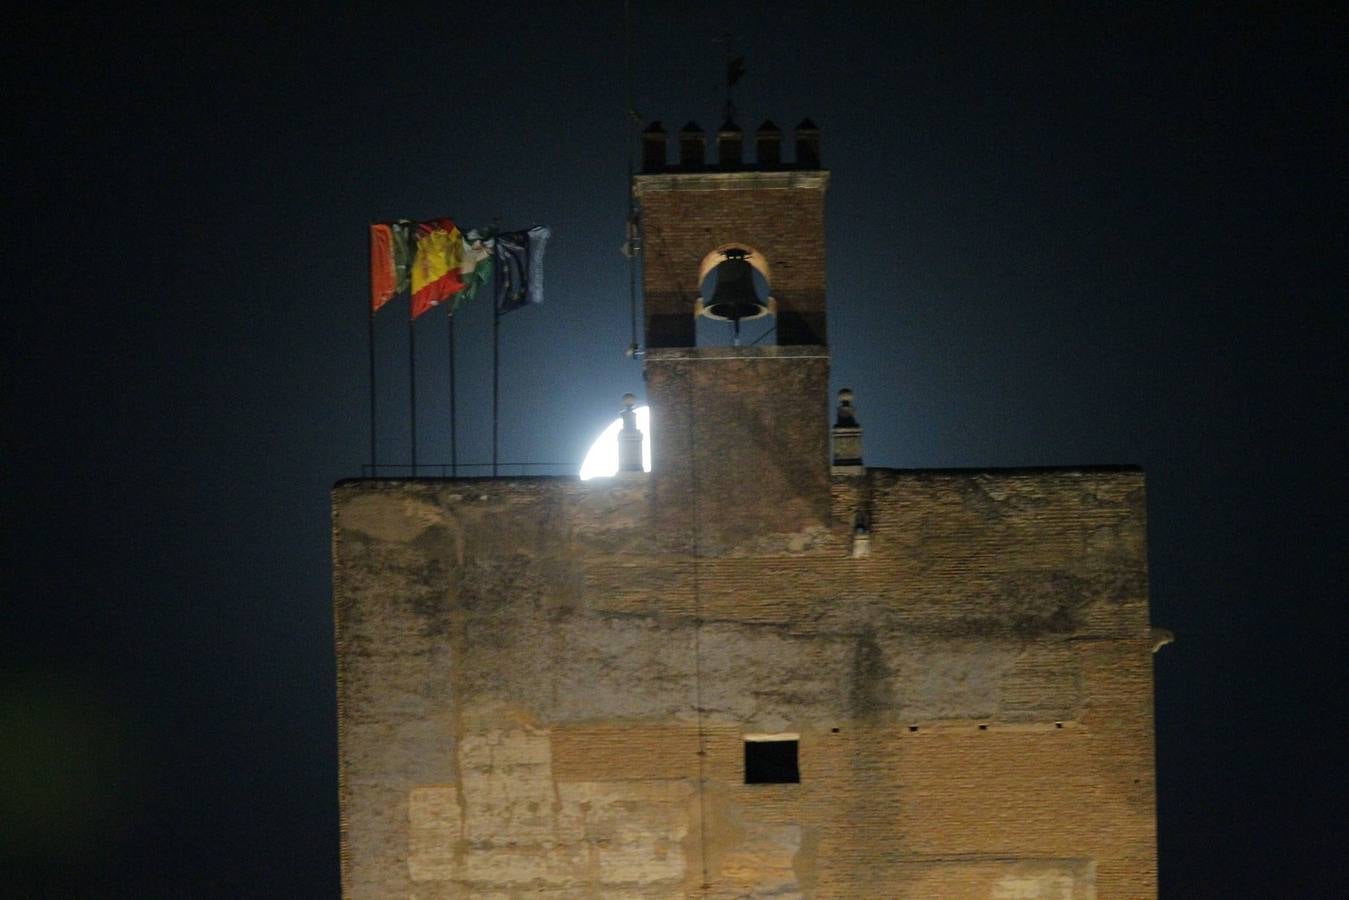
[[771, 759]]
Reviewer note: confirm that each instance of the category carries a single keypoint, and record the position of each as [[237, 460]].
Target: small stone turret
[[730, 145], [807, 145], [629, 439], [692, 146], [768, 145], [654, 141], [847, 437]]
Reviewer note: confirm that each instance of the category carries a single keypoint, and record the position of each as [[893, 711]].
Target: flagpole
[[370, 334], [412, 389], [496, 379], [498, 274], [454, 443]]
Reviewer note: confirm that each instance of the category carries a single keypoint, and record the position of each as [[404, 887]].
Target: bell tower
[[742, 430]]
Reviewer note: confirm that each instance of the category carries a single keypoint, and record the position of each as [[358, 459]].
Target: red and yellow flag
[[437, 265], [383, 279]]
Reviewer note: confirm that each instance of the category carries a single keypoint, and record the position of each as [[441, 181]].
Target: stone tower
[[763, 669]]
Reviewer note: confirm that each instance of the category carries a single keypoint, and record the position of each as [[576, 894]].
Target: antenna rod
[[630, 249]]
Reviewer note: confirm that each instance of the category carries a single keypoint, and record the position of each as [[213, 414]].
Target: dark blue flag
[[518, 275]]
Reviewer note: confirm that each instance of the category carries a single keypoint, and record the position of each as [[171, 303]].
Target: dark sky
[[1058, 235]]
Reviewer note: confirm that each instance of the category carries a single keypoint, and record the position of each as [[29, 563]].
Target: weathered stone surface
[[529, 673]]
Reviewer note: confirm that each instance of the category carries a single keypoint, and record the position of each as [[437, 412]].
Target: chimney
[[807, 145], [847, 438], [654, 141], [692, 146], [861, 537], [768, 145], [730, 145], [629, 439]]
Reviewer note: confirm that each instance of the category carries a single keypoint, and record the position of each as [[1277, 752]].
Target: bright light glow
[[602, 459]]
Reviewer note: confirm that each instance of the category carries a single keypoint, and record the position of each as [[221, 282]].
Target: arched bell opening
[[734, 289]]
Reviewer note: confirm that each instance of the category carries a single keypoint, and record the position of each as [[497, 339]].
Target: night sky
[[1067, 235]]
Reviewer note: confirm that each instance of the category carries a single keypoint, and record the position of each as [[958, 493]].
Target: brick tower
[[764, 669], [747, 427]]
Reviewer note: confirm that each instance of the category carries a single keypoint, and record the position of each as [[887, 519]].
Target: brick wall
[[544, 692], [777, 214], [741, 437]]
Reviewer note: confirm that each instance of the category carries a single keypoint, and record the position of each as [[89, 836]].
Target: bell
[[735, 297]]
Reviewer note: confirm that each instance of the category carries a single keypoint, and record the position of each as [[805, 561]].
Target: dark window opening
[[771, 762]]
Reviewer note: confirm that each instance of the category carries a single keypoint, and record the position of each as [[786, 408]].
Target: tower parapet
[[731, 156]]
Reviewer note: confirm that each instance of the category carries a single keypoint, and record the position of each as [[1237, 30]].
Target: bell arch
[[734, 286], [717, 254]]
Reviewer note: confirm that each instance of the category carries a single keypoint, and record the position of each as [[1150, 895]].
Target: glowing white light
[[602, 459]]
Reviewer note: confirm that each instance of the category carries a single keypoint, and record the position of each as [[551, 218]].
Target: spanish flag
[[437, 266]]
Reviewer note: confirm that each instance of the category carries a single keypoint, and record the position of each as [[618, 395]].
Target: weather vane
[[735, 70]]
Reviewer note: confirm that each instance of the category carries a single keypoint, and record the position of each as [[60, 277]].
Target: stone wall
[[544, 690]]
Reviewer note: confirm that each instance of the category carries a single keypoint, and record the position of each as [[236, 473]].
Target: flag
[[382, 278], [389, 262], [436, 265], [518, 273], [402, 255], [477, 266]]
